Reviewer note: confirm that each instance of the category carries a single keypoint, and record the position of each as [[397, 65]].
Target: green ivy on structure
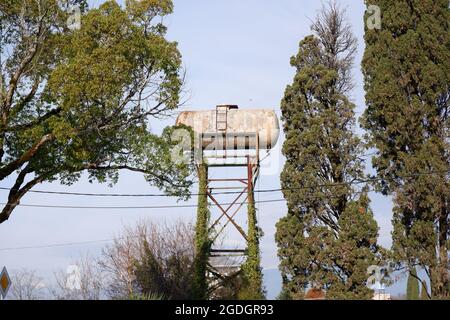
[[202, 240], [251, 270]]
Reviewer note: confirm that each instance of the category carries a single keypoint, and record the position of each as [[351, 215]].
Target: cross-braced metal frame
[[227, 213]]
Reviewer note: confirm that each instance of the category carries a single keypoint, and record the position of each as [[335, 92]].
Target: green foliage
[[354, 252], [150, 296], [169, 276], [412, 288], [339, 264], [202, 239], [406, 67], [83, 99], [229, 288], [324, 241], [284, 295], [251, 270]]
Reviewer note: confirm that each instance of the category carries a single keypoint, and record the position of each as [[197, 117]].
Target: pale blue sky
[[234, 52]]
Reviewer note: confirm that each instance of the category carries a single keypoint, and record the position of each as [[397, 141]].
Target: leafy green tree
[[412, 288], [406, 68], [81, 99], [316, 240]]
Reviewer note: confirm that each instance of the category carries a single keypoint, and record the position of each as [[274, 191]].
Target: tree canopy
[[324, 242], [406, 68], [82, 98]]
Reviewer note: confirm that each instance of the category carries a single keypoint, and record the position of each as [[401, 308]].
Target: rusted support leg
[[251, 268]]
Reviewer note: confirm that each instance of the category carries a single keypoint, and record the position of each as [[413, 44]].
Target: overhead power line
[[66, 244], [324, 185], [157, 206], [130, 207]]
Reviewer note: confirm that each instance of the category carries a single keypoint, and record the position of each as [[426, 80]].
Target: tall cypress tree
[[322, 160], [406, 67]]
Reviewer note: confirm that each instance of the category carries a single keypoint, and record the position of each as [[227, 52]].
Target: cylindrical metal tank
[[228, 127]]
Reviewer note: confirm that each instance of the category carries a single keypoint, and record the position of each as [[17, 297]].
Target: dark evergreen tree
[[324, 241], [353, 252], [406, 67]]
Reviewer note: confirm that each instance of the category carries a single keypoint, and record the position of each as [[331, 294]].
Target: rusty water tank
[[230, 128]]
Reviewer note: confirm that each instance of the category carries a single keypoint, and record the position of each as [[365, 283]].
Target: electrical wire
[[66, 244], [325, 185], [109, 240], [157, 206], [128, 207], [169, 206]]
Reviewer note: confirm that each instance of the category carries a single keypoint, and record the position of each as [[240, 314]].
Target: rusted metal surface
[[225, 213], [228, 127]]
